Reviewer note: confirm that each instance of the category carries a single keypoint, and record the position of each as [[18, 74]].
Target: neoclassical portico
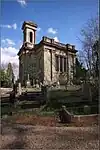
[[48, 61]]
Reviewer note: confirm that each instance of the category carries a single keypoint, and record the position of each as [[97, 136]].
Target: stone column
[[68, 67], [53, 66]]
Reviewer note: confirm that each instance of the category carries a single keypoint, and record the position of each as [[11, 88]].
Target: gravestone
[[64, 115], [37, 84], [19, 89], [87, 109], [28, 84], [58, 84], [41, 84]]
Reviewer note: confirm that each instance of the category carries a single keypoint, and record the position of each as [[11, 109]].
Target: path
[[48, 138]]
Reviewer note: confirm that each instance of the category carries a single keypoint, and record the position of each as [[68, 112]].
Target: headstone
[[37, 83], [64, 115], [58, 84], [28, 82], [40, 85], [19, 88], [87, 109]]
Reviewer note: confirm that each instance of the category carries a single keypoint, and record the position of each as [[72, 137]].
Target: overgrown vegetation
[[6, 76]]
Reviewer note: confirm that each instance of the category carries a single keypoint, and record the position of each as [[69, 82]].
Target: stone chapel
[[48, 61]]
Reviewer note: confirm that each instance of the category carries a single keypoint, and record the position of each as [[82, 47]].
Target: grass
[[24, 108]]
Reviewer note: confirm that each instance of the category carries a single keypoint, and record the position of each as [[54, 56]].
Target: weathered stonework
[[39, 60]]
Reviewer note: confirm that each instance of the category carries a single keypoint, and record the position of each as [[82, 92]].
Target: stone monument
[[37, 83], [28, 84], [58, 84], [19, 89]]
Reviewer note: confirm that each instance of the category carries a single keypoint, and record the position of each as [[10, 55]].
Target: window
[[57, 63], [31, 37], [24, 36], [61, 69], [64, 64]]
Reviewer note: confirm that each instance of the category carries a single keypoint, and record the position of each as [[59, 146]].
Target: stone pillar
[[66, 65], [53, 66]]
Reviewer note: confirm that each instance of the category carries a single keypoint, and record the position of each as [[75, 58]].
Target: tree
[[90, 34], [80, 71], [96, 59], [3, 78], [10, 74]]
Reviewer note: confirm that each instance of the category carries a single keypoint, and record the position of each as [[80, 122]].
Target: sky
[[58, 19]]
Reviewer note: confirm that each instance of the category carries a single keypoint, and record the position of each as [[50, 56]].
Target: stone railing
[[70, 46], [46, 39], [60, 44], [52, 41]]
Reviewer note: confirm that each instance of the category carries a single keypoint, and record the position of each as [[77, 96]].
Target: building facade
[[48, 61]]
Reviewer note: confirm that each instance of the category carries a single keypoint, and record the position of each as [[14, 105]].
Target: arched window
[[57, 63], [24, 36], [31, 37]]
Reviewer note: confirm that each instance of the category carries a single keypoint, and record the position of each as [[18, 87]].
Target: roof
[[50, 42], [29, 23], [55, 44]]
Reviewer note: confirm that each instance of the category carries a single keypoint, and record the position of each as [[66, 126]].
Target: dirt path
[[14, 136]]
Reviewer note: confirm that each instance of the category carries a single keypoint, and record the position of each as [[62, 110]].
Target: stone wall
[[84, 120], [40, 64], [71, 64], [50, 73], [47, 65]]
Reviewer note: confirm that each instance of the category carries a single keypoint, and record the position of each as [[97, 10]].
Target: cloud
[[22, 2], [10, 51], [56, 39], [38, 29], [9, 54], [51, 30], [8, 42], [13, 26]]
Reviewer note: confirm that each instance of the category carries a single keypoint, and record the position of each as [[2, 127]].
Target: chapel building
[[48, 61]]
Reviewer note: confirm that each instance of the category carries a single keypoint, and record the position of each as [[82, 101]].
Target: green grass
[[64, 94]]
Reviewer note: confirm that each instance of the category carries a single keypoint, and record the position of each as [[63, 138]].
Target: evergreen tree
[[80, 71], [10, 74]]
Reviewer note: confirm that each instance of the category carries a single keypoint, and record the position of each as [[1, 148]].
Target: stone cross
[[20, 89]]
